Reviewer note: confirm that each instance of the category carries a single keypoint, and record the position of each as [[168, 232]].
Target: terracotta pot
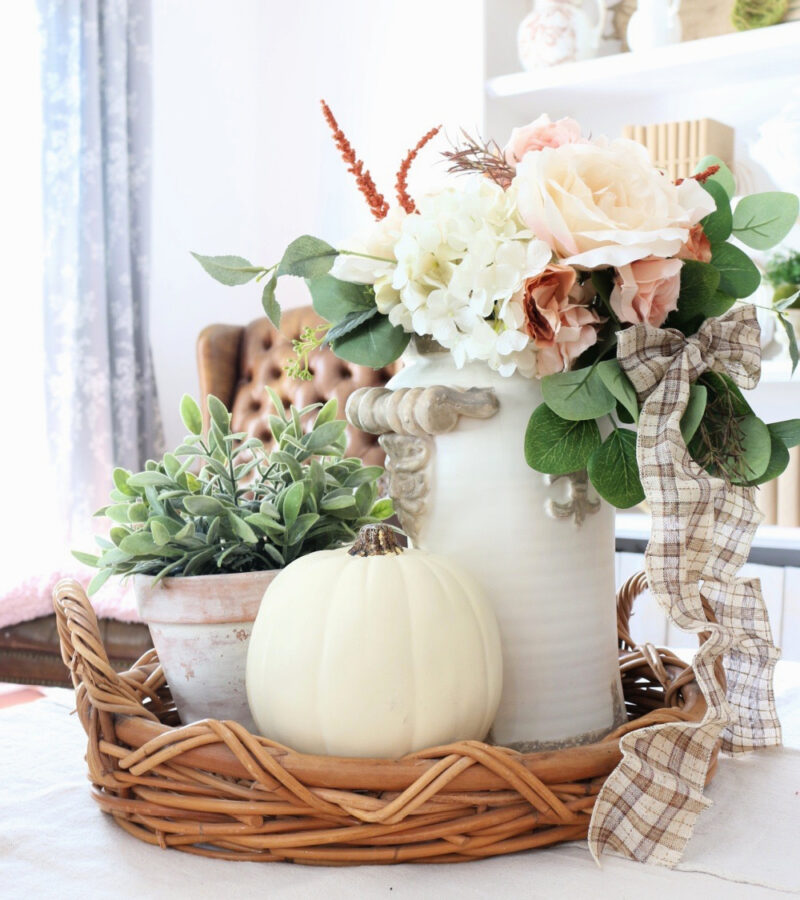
[[200, 627]]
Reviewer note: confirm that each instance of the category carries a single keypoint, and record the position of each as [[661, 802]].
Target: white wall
[[242, 160]]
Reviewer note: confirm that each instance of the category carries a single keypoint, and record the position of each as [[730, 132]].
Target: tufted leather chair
[[236, 362]]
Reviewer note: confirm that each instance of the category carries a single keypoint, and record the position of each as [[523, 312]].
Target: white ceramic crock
[[551, 578]]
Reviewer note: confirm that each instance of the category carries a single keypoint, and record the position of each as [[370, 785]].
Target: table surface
[[54, 841]]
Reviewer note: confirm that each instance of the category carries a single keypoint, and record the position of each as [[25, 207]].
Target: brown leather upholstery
[[30, 652], [236, 362]]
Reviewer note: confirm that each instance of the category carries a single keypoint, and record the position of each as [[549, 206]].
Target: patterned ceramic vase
[[543, 547], [558, 31]]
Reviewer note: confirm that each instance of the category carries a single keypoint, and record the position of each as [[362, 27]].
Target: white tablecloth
[[54, 842]]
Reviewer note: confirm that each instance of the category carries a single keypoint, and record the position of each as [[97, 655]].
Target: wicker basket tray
[[214, 789]]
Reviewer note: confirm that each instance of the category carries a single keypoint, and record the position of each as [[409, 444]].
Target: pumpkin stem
[[375, 540]]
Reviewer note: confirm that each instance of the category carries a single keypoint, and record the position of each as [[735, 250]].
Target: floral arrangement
[[531, 262]]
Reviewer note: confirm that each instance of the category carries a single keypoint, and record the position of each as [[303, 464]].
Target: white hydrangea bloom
[[460, 261]]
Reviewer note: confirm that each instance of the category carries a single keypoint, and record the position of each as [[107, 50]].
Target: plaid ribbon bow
[[702, 528]]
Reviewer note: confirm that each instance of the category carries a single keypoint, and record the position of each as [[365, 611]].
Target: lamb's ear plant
[[220, 504]]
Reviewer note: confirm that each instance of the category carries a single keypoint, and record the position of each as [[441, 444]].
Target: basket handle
[[96, 682]]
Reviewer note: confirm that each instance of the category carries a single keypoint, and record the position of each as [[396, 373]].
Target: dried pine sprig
[[377, 204], [401, 185], [311, 339], [719, 443], [484, 157]]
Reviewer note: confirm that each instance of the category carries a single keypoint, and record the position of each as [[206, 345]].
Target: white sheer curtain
[[78, 385]]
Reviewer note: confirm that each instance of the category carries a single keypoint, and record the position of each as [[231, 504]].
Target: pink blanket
[[33, 598]]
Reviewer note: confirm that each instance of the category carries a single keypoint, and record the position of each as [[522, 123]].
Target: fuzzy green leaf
[[324, 435], [202, 506], [558, 446], [271, 306], [150, 479], [241, 529], [191, 416], [229, 270], [763, 220], [578, 395], [219, 414], [300, 527], [383, 509], [140, 543], [292, 501], [160, 534], [614, 472], [307, 257], [88, 559], [99, 580], [120, 478]]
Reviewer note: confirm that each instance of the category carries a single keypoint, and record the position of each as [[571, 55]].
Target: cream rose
[[541, 133], [605, 203], [647, 291]]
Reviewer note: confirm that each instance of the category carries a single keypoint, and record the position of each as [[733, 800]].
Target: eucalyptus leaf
[[739, 276], [693, 414], [620, 386], [559, 446], [699, 283], [723, 177], [349, 323], [229, 270], [376, 343], [271, 306], [614, 472], [757, 450], [788, 300], [763, 220], [578, 395], [334, 300], [788, 327], [717, 226], [307, 257], [788, 431], [778, 460]]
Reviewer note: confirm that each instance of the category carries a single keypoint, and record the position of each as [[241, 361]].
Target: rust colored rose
[[697, 246], [558, 319]]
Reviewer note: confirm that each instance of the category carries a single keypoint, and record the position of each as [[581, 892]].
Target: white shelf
[[741, 57]]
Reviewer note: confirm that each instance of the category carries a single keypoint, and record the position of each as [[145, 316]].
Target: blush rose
[[541, 133], [646, 290]]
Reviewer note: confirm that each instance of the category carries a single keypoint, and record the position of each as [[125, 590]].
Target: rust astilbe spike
[[401, 185], [377, 204], [703, 176]]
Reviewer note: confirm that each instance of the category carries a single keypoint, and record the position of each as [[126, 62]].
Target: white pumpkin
[[373, 652]]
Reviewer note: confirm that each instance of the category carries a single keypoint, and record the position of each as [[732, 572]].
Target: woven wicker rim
[[214, 789]]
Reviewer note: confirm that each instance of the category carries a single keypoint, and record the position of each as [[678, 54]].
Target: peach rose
[[558, 319], [647, 290], [539, 134], [697, 246]]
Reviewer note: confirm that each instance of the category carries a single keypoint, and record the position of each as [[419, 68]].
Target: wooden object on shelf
[[214, 789], [788, 505], [677, 147]]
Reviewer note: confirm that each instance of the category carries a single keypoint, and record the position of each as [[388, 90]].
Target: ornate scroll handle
[[418, 412]]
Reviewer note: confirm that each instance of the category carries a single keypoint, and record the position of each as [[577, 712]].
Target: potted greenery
[[202, 546]]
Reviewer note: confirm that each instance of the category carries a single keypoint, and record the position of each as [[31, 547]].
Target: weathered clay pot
[[200, 627]]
